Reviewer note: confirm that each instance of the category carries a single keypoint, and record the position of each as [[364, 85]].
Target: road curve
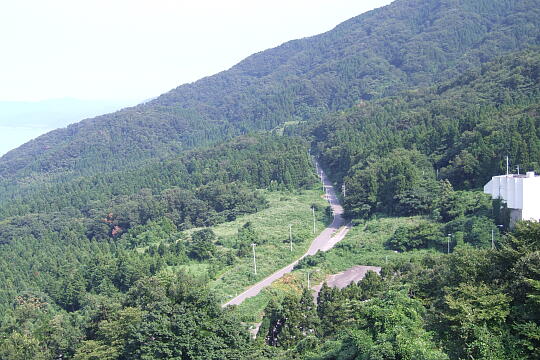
[[325, 241]]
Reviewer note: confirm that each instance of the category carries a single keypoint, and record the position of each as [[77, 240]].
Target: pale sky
[[138, 49]]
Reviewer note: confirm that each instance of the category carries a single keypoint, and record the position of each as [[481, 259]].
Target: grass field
[[272, 228], [278, 130], [363, 245]]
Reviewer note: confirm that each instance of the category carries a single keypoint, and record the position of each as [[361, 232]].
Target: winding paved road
[[325, 241]]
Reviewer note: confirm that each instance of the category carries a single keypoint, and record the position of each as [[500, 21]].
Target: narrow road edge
[[326, 240]]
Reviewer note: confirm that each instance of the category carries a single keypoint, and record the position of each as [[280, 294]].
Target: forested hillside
[[121, 235], [263, 162], [460, 130], [472, 304], [74, 250], [406, 44]]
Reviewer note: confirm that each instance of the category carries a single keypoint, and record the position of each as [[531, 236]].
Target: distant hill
[[21, 121], [459, 130], [104, 223], [407, 44]]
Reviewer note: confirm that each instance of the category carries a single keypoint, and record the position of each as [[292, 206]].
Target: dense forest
[[460, 130], [407, 44], [411, 108], [472, 304], [258, 160], [101, 214]]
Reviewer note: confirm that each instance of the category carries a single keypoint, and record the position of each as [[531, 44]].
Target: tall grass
[[272, 227], [363, 245]]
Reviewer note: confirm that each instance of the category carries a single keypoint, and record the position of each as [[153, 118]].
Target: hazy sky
[[137, 49]]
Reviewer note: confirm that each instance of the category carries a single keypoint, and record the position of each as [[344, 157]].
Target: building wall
[[508, 188], [519, 192], [531, 200], [515, 216]]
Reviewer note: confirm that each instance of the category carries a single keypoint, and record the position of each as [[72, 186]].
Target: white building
[[521, 193]]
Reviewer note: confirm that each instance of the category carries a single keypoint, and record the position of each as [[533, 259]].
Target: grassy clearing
[[363, 245], [272, 228], [196, 269], [252, 309], [278, 130]]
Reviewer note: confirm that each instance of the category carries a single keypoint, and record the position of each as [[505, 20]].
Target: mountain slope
[[464, 128], [21, 121], [406, 44]]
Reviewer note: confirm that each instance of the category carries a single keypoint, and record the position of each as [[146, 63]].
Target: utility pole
[[254, 259], [313, 210], [449, 236], [290, 235], [517, 167], [308, 277], [507, 166]]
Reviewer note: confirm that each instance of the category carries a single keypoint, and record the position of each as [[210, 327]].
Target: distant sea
[[21, 122]]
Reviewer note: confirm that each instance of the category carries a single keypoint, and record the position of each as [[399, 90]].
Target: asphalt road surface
[[342, 279], [325, 241]]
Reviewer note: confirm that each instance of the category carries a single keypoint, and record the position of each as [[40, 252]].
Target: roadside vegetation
[[365, 244], [473, 302], [269, 230], [122, 236]]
